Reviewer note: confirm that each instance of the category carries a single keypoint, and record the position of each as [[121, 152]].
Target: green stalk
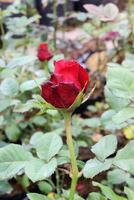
[[130, 12], [44, 65], [65, 14], [58, 182], [55, 23], [47, 72], [2, 28], [72, 155]]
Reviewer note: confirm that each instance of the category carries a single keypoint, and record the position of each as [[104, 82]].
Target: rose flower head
[[68, 80], [44, 53], [111, 35]]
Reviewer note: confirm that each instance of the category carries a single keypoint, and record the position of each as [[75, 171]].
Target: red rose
[[67, 81], [111, 35], [43, 52]]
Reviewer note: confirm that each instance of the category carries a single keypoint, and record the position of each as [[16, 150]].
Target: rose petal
[[67, 81], [43, 46], [56, 78], [49, 94], [43, 52], [67, 92], [61, 65], [83, 78], [69, 71], [44, 55]]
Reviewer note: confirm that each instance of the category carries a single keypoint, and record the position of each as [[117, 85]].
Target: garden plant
[[67, 106]]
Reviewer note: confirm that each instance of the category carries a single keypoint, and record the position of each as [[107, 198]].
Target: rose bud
[[111, 35], [68, 82], [80, 187], [43, 52]]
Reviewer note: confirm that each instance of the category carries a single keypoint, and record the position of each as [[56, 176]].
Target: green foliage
[[9, 87], [94, 167], [41, 149], [45, 187], [13, 159], [18, 25], [20, 61], [119, 94], [108, 192], [48, 146], [38, 170], [66, 195], [125, 158], [93, 122], [41, 104], [24, 181], [35, 196], [129, 193], [107, 120], [5, 187], [117, 176], [107, 145], [63, 156], [104, 148], [96, 196], [5, 103], [12, 132], [130, 183], [31, 84]]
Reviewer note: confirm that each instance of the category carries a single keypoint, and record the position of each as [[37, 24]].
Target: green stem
[[55, 23], [72, 155], [65, 15], [44, 65], [130, 12], [57, 182], [2, 28], [47, 72]]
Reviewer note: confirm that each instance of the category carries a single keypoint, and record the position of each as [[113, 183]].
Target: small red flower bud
[[111, 35], [43, 52], [80, 187], [67, 81]]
